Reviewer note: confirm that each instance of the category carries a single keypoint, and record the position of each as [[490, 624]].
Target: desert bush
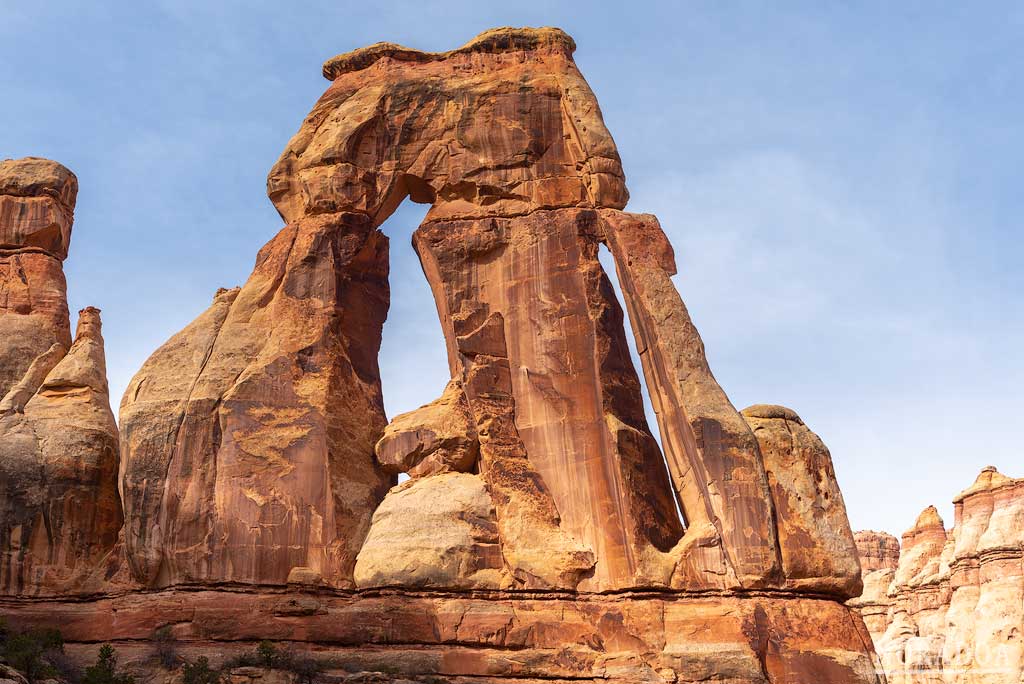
[[104, 670], [266, 654], [64, 667], [200, 672], [304, 667], [29, 652]]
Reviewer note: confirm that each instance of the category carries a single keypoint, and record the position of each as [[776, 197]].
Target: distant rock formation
[[953, 608], [60, 512], [879, 555], [543, 535]]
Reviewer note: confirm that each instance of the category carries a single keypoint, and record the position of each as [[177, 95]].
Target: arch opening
[[604, 255], [413, 359]]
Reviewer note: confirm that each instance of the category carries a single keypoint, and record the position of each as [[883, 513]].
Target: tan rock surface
[[436, 438], [815, 540], [711, 452], [879, 555], [584, 431], [506, 125], [60, 512], [435, 532], [37, 202], [37, 205], [59, 504]]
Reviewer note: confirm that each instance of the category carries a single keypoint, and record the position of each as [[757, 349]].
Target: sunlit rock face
[[954, 610], [60, 513], [879, 555], [247, 439], [543, 534]]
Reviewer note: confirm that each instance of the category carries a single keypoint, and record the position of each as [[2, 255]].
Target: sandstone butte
[[543, 535], [948, 607]]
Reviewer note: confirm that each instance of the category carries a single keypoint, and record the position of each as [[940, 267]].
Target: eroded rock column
[[60, 512], [956, 600], [714, 458]]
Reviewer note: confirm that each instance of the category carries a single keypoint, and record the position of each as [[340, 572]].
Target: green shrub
[[267, 654], [27, 651], [246, 659], [200, 672], [104, 670]]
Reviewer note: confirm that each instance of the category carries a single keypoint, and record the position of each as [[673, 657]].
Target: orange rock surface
[[60, 512], [544, 534]]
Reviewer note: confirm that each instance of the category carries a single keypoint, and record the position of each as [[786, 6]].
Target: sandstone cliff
[[953, 610], [60, 512], [543, 534]]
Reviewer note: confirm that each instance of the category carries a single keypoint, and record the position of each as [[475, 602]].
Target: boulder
[[815, 540], [438, 532], [437, 438]]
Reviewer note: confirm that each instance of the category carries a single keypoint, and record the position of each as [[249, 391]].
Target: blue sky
[[841, 183]]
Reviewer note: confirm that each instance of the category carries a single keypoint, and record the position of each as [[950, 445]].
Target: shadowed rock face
[[954, 611], [255, 450], [59, 508]]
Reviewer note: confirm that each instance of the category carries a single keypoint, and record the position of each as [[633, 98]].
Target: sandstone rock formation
[[879, 555], [433, 532], [817, 547], [543, 534], [60, 512], [390, 637], [436, 438], [954, 611], [247, 439]]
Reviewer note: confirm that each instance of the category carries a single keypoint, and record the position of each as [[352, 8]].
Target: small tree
[[200, 672], [26, 651], [104, 670]]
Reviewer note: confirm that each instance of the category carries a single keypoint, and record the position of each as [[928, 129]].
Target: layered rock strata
[[60, 512], [879, 555], [954, 610], [543, 534], [485, 637]]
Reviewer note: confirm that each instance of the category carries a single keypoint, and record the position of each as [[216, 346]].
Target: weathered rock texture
[[954, 610], [59, 508], [247, 439], [433, 532], [436, 438], [817, 547], [879, 555], [543, 534], [487, 637]]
